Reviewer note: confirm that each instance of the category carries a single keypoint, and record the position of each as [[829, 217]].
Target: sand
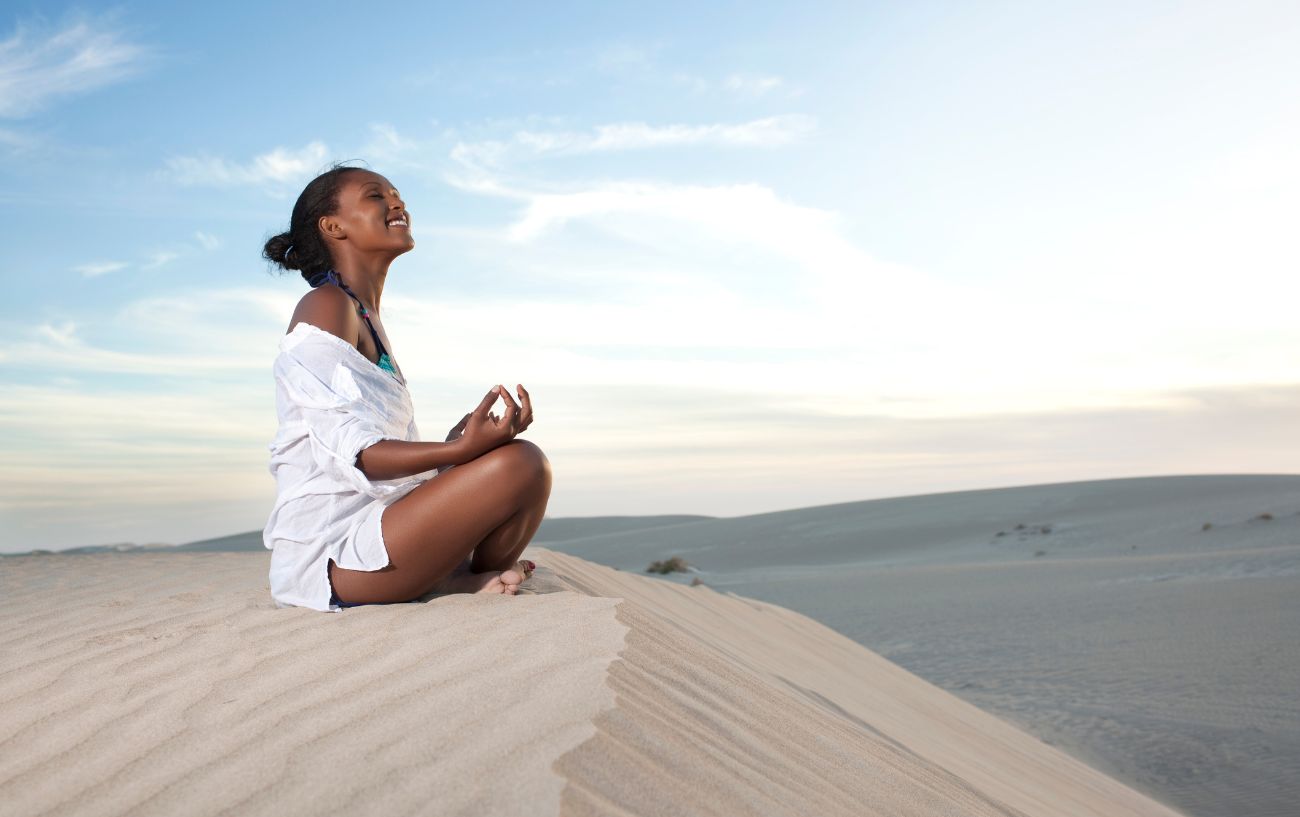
[[168, 683], [1128, 634]]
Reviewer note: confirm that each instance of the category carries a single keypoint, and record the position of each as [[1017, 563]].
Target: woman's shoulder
[[328, 308]]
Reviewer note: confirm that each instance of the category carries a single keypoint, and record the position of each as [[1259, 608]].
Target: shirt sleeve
[[342, 419]]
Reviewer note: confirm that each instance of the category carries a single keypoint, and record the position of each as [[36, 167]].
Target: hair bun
[[301, 247]]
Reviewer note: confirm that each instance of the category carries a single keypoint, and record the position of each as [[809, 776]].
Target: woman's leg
[[489, 507], [501, 549]]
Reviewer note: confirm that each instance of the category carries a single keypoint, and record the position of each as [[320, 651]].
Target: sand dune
[[167, 683], [1107, 619]]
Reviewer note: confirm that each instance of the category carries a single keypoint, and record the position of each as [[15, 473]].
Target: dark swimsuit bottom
[[334, 599], [385, 363]]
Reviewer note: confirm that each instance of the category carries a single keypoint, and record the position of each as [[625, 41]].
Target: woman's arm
[[394, 459], [477, 432]]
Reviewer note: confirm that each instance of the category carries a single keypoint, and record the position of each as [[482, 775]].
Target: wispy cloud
[[159, 258], [206, 240], [771, 131], [755, 85], [18, 142], [174, 335], [37, 67], [739, 84], [388, 148], [820, 261], [621, 57], [97, 268], [280, 165], [742, 256], [153, 260]]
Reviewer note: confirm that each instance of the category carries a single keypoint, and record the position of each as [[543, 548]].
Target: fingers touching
[[526, 413]]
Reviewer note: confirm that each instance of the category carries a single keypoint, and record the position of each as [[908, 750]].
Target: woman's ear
[[330, 227]]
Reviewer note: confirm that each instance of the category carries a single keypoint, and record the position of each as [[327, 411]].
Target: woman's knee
[[521, 458]]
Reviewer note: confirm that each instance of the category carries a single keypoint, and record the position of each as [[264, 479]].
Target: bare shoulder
[[329, 308]]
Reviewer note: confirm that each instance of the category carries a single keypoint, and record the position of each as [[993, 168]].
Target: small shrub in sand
[[1040, 553], [695, 582], [1207, 526], [674, 565], [1264, 517]]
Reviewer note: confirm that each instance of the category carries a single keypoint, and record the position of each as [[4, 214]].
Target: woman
[[365, 513]]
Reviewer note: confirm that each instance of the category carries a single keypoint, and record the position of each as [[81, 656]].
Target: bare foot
[[504, 582]]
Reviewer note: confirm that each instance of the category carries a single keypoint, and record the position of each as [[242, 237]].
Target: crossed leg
[[462, 531]]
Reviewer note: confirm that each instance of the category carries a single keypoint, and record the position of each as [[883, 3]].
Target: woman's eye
[[376, 196]]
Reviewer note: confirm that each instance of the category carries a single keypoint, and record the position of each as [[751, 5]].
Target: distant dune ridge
[[167, 683]]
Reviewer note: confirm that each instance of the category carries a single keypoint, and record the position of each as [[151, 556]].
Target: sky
[[744, 256]]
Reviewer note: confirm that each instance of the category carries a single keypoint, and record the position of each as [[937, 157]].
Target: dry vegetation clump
[[674, 565], [1026, 531]]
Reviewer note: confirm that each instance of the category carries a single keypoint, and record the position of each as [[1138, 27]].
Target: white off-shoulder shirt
[[332, 403]]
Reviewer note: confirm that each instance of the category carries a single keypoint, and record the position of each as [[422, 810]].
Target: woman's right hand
[[483, 430]]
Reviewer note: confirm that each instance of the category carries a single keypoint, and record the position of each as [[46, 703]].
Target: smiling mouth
[[400, 222]]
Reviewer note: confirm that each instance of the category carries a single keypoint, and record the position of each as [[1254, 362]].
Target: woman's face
[[372, 215]]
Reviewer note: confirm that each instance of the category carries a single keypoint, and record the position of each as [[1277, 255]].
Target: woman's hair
[[302, 248]]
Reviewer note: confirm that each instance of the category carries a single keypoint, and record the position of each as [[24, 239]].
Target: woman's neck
[[368, 286]]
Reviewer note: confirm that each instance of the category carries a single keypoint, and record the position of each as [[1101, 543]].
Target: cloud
[[206, 240], [693, 378], [175, 335], [796, 250], [387, 148], [772, 131], [620, 57], [774, 274], [697, 85], [62, 335], [277, 166], [155, 259], [752, 85], [37, 68], [96, 268], [739, 84], [707, 448], [18, 142], [158, 258]]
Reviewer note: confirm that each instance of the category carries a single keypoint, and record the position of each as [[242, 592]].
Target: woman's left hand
[[525, 414]]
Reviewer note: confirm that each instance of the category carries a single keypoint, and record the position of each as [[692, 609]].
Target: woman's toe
[[511, 576]]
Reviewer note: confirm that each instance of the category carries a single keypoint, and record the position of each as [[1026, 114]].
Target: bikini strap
[[365, 313]]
